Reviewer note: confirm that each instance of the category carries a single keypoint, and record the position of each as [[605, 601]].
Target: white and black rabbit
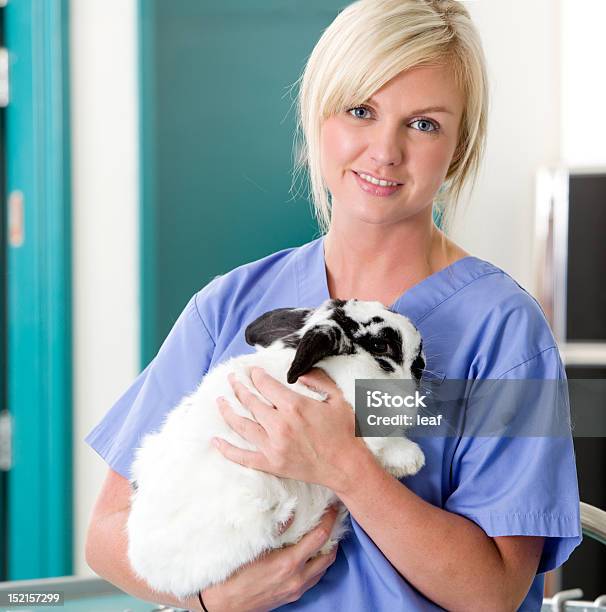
[[195, 516]]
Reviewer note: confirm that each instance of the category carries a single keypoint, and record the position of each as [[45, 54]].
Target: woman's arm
[[444, 555], [107, 543], [277, 578]]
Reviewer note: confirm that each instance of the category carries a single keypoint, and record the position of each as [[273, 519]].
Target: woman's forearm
[[444, 555], [106, 554]]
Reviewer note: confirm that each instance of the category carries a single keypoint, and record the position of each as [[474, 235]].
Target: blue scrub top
[[476, 322]]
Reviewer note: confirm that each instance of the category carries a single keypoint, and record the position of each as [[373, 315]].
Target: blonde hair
[[369, 43]]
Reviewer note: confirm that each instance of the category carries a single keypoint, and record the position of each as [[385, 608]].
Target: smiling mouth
[[375, 181], [374, 190]]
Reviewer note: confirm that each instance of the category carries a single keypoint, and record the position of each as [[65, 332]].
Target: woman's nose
[[386, 147]]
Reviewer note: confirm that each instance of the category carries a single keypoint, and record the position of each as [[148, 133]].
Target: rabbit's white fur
[[195, 516]]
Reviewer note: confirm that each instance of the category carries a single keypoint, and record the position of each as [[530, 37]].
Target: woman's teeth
[[375, 181]]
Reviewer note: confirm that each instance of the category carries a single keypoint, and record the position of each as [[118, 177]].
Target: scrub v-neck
[[416, 302]]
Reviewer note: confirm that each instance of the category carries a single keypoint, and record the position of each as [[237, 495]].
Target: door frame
[[147, 187]]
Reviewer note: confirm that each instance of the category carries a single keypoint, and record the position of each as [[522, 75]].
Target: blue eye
[[435, 126], [351, 111]]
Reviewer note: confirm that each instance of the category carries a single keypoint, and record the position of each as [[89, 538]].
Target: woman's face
[[393, 136]]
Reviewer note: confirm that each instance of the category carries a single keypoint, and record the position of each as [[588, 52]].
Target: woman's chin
[[377, 214]]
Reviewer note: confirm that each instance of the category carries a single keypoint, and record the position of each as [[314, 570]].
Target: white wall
[[105, 245], [521, 43], [583, 87]]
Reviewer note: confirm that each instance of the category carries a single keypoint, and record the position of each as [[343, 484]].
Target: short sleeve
[[521, 484], [176, 371]]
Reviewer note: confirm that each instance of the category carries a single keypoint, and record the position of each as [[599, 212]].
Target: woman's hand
[[296, 436], [279, 577]]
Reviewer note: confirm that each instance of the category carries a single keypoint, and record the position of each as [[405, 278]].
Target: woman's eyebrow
[[420, 111]]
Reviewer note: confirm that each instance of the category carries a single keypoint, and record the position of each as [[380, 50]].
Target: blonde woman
[[392, 108]]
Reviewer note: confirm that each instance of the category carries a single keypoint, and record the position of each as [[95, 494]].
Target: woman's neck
[[381, 264]]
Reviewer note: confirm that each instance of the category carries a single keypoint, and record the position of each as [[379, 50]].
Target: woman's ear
[[317, 343], [275, 324]]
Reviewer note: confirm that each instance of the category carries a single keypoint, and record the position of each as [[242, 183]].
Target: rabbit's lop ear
[[317, 343], [275, 324], [418, 365]]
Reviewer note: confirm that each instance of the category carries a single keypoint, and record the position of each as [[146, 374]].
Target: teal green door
[[36, 293], [217, 133]]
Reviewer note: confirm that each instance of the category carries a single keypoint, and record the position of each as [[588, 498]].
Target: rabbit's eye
[[379, 346]]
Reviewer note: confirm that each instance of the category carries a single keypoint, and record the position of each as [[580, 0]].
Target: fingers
[[251, 459], [262, 411], [247, 428], [316, 567], [318, 380], [313, 581], [277, 393], [313, 541]]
